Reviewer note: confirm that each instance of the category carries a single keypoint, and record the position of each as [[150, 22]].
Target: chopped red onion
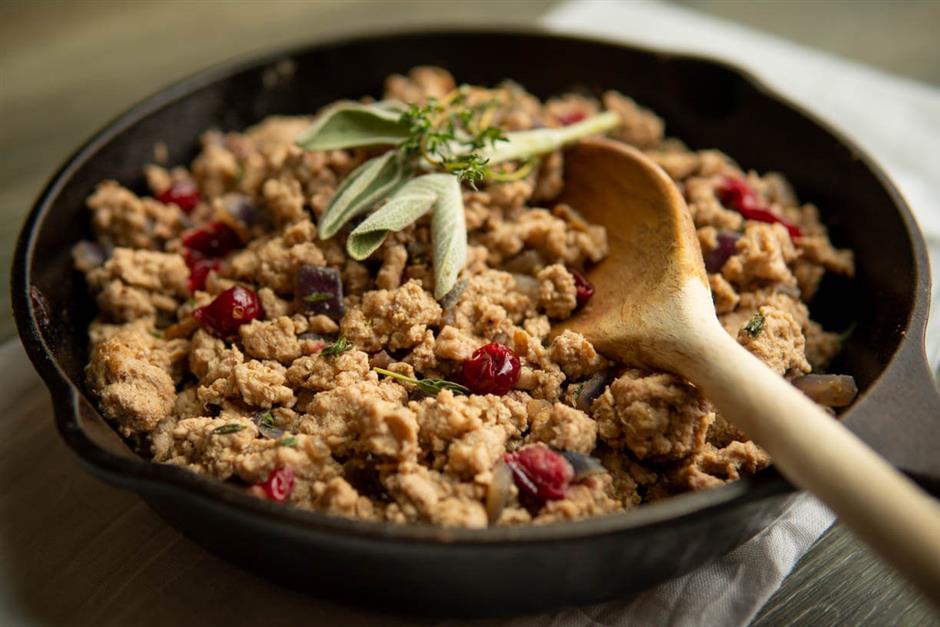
[[527, 285], [589, 390], [241, 208], [267, 427], [498, 491], [450, 298], [319, 291], [726, 247], [831, 390], [583, 465]]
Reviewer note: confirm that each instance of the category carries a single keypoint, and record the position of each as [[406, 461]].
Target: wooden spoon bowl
[[652, 307]]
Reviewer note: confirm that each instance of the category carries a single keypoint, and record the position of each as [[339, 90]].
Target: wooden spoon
[[653, 306]]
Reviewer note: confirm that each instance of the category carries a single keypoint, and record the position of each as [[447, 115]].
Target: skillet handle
[[900, 418]]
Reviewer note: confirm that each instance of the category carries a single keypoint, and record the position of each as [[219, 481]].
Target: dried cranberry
[[199, 269], [230, 309], [183, 193], [215, 239], [540, 472], [572, 118], [738, 195], [583, 288], [492, 369], [279, 484]]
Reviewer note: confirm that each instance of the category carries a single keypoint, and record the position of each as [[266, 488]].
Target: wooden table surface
[[66, 68]]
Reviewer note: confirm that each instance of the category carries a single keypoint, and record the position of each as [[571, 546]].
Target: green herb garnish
[[229, 428], [578, 390], [428, 386], [267, 420], [340, 346], [291, 441], [755, 325], [155, 334], [448, 135], [318, 297]]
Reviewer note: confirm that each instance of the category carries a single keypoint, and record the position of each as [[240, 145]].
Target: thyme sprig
[[447, 133], [233, 427], [340, 346], [428, 386], [433, 147]]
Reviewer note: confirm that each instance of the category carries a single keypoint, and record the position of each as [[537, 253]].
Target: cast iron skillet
[[496, 571]]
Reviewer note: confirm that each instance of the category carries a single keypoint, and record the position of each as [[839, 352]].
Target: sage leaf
[[349, 124], [410, 202], [372, 181], [523, 144], [448, 236]]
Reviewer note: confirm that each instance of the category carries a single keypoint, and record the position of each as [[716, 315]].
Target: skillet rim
[[148, 478]]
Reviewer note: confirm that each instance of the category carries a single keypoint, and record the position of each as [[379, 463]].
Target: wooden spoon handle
[[814, 451]]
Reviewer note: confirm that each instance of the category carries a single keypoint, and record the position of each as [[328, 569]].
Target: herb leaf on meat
[[428, 386], [340, 346], [229, 428], [755, 325]]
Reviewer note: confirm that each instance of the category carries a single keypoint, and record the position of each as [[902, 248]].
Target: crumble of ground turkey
[[261, 384], [558, 294], [131, 372], [135, 283], [429, 459], [575, 355], [324, 372], [778, 342], [724, 297], [489, 305], [712, 466], [395, 318], [562, 427], [453, 344], [430, 496], [539, 375], [553, 238], [763, 253], [273, 339], [120, 218], [592, 497], [654, 415]]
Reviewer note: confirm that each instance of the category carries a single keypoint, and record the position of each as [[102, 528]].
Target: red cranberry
[[571, 118], [199, 269], [492, 369], [540, 472], [215, 239], [737, 194], [279, 484], [584, 289], [230, 309], [183, 193]]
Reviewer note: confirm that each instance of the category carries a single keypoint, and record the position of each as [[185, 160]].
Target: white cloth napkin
[[895, 120]]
